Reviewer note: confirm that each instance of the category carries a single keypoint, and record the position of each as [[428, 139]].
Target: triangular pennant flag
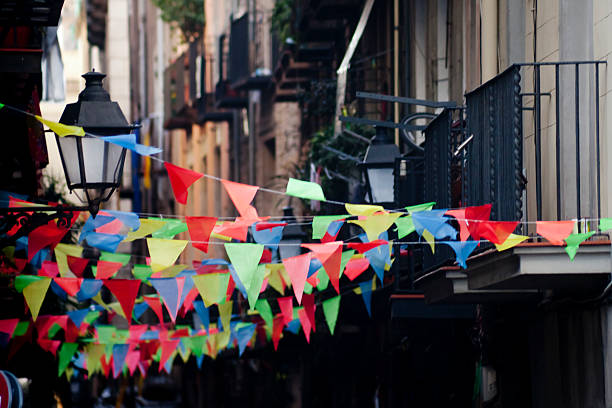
[[244, 335], [199, 231], [305, 189], [430, 239], [155, 305], [330, 255], [420, 207], [511, 241], [180, 180], [49, 345], [356, 267], [363, 247], [366, 293], [171, 290], [76, 265], [242, 195], [306, 325], [225, 314], [203, 313], [7, 326], [60, 129], [405, 226], [277, 330], [605, 224], [70, 285], [330, 310], [496, 231], [244, 259], [265, 311], [555, 231], [120, 352], [78, 316], [256, 285], [65, 354], [106, 269], [89, 289], [376, 224], [475, 214], [320, 224], [129, 142], [378, 257], [34, 295], [49, 269], [126, 291], [43, 236], [286, 306], [164, 252], [123, 259], [574, 241], [105, 242], [212, 287], [462, 249], [297, 268], [63, 252], [131, 360], [147, 227], [362, 209], [167, 349], [310, 308], [459, 214]]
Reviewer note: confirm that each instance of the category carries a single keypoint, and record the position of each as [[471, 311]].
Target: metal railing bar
[[597, 140], [557, 142], [533, 64], [577, 99], [538, 143], [403, 99], [534, 94]]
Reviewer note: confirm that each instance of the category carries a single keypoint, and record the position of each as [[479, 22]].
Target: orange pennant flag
[[496, 231], [242, 195], [181, 179], [297, 268], [555, 231], [330, 255]]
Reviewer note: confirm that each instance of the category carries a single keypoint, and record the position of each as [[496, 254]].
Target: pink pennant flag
[[70, 285], [242, 195], [555, 231], [107, 269], [199, 231], [137, 330], [8, 326], [125, 290], [155, 305], [286, 307], [297, 269], [355, 267], [49, 269], [306, 326], [181, 179], [131, 360]]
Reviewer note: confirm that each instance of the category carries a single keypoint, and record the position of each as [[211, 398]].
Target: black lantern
[[91, 164], [293, 236], [378, 165]]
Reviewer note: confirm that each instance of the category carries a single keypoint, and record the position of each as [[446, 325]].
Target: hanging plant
[[186, 15]]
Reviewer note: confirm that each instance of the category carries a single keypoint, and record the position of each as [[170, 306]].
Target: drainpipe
[[488, 40], [396, 78]]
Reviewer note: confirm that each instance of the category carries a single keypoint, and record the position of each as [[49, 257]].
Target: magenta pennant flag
[[125, 290], [8, 326], [171, 290], [286, 307], [49, 269], [180, 180], [297, 269], [131, 360]]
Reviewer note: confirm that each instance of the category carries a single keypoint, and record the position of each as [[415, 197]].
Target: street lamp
[[293, 236], [378, 165], [90, 164]]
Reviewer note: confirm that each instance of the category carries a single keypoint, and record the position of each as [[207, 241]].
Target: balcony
[[530, 146]]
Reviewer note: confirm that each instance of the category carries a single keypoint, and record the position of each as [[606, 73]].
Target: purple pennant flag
[[170, 290]]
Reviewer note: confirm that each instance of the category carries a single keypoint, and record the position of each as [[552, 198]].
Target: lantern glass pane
[[101, 161], [70, 157], [381, 183]]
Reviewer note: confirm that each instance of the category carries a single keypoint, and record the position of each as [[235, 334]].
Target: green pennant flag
[[265, 311], [123, 259], [212, 287], [106, 334], [574, 241], [330, 310], [605, 224], [1, 105], [142, 272], [404, 226], [320, 224], [21, 329], [308, 288], [346, 256], [22, 281], [323, 279], [305, 189], [198, 343], [245, 259], [65, 354], [34, 295], [256, 284], [170, 229], [420, 207]]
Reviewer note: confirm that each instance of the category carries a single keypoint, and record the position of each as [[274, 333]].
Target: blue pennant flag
[[244, 335], [89, 289], [203, 313], [431, 221], [129, 142], [462, 249], [315, 265], [128, 219], [104, 242], [119, 353], [77, 316], [269, 237], [366, 293], [139, 309], [294, 326], [378, 257]]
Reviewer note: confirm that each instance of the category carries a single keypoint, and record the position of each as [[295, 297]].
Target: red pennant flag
[[310, 307], [8, 326], [242, 195], [297, 269], [136, 331], [188, 302], [268, 225], [43, 236], [475, 214], [155, 305], [199, 231], [77, 265], [237, 230], [330, 255], [181, 179], [306, 326], [49, 345], [313, 280], [555, 231], [125, 290], [107, 269], [168, 348], [286, 307], [496, 231], [106, 365], [459, 214], [365, 246], [356, 267], [70, 285], [278, 325], [49, 269], [231, 286]]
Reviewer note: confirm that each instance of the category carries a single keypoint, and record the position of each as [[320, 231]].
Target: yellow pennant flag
[[374, 225], [275, 280], [94, 354], [164, 252], [61, 256], [212, 287], [60, 129], [511, 241], [225, 313], [430, 240], [35, 293], [147, 227], [362, 209]]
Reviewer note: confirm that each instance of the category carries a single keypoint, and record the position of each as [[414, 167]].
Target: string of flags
[[85, 340]]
